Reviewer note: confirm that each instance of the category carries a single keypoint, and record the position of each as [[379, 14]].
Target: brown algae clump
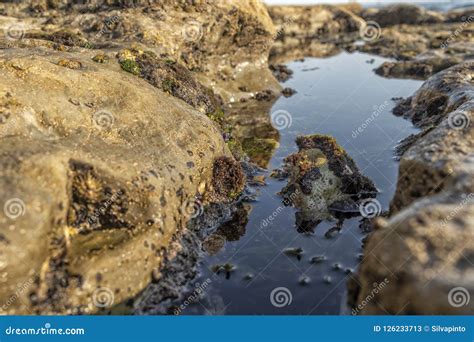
[[228, 180]]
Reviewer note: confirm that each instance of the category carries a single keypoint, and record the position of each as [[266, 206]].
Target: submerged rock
[[323, 180]]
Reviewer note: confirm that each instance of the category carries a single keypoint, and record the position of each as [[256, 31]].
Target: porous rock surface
[[425, 250], [323, 180], [109, 130]]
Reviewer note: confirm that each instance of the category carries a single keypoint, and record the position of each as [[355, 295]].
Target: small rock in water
[[337, 266], [304, 280], [348, 271], [226, 268], [288, 92], [249, 276], [360, 256], [279, 174], [327, 279], [318, 259], [258, 180], [332, 232], [295, 252]]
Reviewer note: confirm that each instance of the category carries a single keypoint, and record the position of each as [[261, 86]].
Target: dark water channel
[[339, 96]]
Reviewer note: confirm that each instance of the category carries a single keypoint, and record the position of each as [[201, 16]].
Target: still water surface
[[340, 96]]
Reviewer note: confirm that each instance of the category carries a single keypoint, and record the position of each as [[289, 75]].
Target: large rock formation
[[108, 147], [425, 250]]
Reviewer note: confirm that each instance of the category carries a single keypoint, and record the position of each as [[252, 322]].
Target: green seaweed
[[130, 66], [168, 85]]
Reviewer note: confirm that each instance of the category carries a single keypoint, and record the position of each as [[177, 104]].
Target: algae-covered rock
[[107, 153], [324, 179], [224, 43]]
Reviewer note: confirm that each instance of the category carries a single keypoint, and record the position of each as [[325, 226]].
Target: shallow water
[[335, 96]]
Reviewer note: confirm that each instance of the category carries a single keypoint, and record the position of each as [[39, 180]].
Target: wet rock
[[332, 232], [228, 180], [288, 92], [318, 259], [296, 252], [424, 249], [311, 31], [442, 108], [402, 14], [304, 280], [281, 72], [323, 176], [249, 276], [226, 269], [327, 279], [417, 68]]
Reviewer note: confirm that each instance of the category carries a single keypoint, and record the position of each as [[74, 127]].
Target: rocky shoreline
[[122, 122]]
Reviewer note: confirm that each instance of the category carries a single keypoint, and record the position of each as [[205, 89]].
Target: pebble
[[318, 259], [304, 280]]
